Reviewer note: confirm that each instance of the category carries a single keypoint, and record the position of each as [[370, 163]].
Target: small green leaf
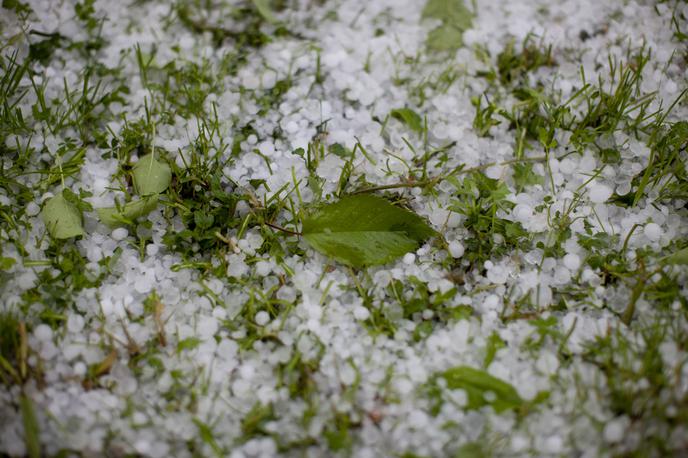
[[128, 213], [408, 117], [456, 19], [445, 38], [476, 383], [62, 218], [203, 219], [680, 257], [206, 433], [610, 155], [472, 450], [188, 344], [364, 230], [151, 176], [494, 343], [339, 150], [263, 7], [451, 11], [7, 263], [31, 430], [525, 176]]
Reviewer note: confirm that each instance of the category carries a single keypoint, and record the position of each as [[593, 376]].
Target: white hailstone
[[572, 261], [263, 268], [403, 385], [549, 264], [547, 363], [614, 430], [247, 371], [79, 368], [207, 327], [32, 209], [491, 302], [599, 193], [361, 313], [75, 323], [439, 216], [409, 258], [255, 240], [562, 275], [120, 233], [26, 280], [653, 231], [262, 318], [237, 267], [456, 249], [418, 419], [497, 274], [152, 249], [553, 444], [43, 333], [522, 212], [241, 387]]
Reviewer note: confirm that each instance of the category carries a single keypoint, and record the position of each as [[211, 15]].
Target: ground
[[164, 166]]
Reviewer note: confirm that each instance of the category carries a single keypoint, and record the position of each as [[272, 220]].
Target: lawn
[[344, 228]]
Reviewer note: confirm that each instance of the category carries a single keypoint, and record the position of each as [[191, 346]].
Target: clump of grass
[[666, 169], [592, 114], [641, 386], [513, 65], [482, 200]]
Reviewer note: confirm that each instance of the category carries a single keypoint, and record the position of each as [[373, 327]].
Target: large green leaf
[[127, 213], [364, 230], [679, 257], [455, 17], [476, 383], [151, 176], [62, 218]]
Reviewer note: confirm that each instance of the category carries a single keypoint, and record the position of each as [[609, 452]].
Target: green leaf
[[476, 383], [263, 7], [364, 230], [445, 38], [206, 433], [494, 343], [456, 19], [472, 450], [408, 117], [31, 431], [525, 176], [62, 218], [680, 257], [449, 11], [203, 220], [151, 176], [7, 263], [128, 213]]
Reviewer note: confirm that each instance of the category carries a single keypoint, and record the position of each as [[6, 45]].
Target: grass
[[206, 215], [480, 199], [640, 385]]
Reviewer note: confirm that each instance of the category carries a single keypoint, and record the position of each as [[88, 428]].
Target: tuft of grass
[[513, 65], [640, 385], [481, 199]]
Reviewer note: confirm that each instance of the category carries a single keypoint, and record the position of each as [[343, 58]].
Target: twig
[[279, 228], [457, 171]]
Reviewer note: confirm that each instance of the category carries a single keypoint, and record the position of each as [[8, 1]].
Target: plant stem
[[279, 228], [457, 171]]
